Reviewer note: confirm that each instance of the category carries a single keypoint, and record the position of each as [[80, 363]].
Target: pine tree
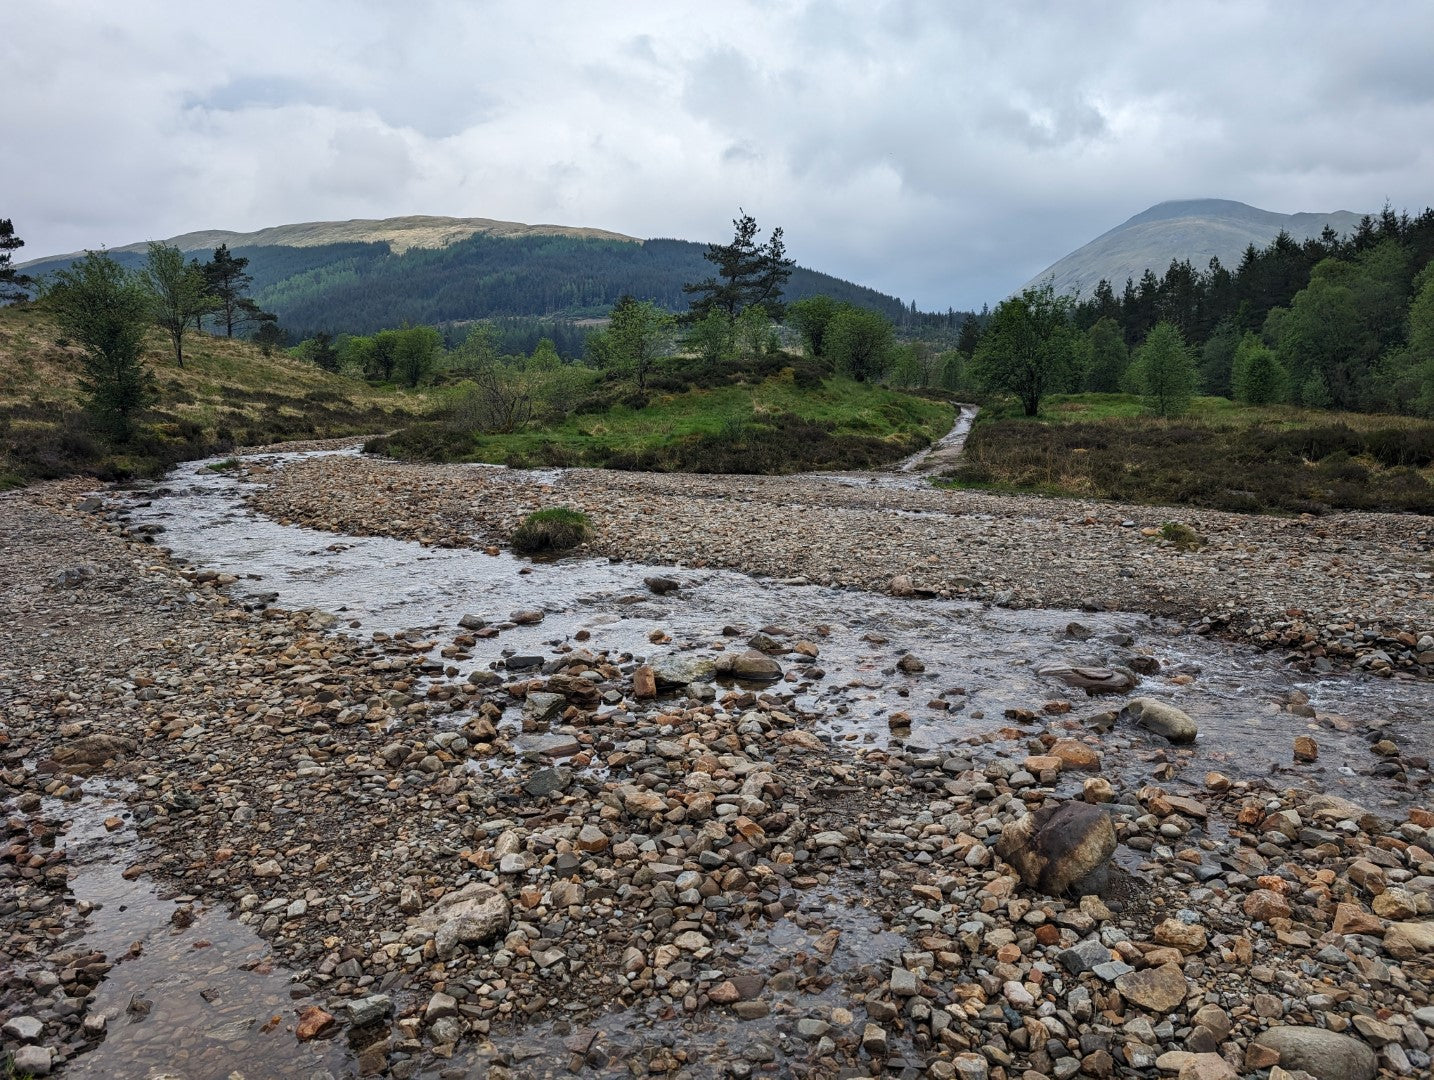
[[748, 274], [13, 284]]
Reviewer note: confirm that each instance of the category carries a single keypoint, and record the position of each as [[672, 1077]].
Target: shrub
[[1182, 536], [551, 531]]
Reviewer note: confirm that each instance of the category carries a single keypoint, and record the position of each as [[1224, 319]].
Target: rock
[[369, 1010], [542, 708], [1084, 956], [32, 1061], [1264, 905], [475, 914], [901, 585], [873, 1036], [1206, 1067], [530, 617], [910, 664], [549, 781], [1189, 938], [1305, 749], [662, 585], [1331, 808], [750, 666], [92, 749], [1060, 848], [1395, 903], [1326, 1055], [472, 622], [1161, 718], [644, 683], [682, 671], [440, 1005], [1075, 754], [1093, 680], [1159, 989], [25, 1029], [1409, 940], [313, 1022], [1097, 789]]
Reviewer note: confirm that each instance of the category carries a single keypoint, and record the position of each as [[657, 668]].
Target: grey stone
[[1326, 1055], [1161, 718]]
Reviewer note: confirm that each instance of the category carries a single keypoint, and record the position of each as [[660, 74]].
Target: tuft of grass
[[227, 465], [1182, 536], [550, 532]]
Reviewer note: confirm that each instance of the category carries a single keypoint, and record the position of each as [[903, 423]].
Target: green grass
[[1222, 455], [550, 531], [763, 426], [227, 394]]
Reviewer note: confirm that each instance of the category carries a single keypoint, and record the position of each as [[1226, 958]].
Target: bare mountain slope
[[1193, 229], [400, 234]]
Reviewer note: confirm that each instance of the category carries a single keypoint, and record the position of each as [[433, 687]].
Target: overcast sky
[[938, 150]]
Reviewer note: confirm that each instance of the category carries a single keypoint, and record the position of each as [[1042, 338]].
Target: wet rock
[[529, 617], [1093, 680], [750, 666], [1161, 718], [662, 585], [541, 708], [910, 664], [1074, 754], [25, 1029], [901, 585], [548, 781], [1305, 749], [369, 1010], [32, 1061], [1159, 989], [644, 683], [93, 749], [1060, 848], [313, 1022], [472, 622], [1326, 1055], [682, 671]]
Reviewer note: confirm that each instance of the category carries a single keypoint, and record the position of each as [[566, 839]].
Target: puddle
[[198, 1000]]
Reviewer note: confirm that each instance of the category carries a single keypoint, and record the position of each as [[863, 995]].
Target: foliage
[[13, 284], [1163, 371], [178, 293], [105, 308], [1239, 459], [858, 343], [550, 531], [637, 336], [1182, 536], [1217, 359], [712, 338], [810, 316], [1027, 348], [1109, 357], [416, 350], [1257, 377], [227, 282], [749, 274]]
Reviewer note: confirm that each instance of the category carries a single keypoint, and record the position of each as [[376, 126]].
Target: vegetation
[[1222, 455], [13, 284], [1028, 349], [1163, 372], [748, 275], [228, 394], [637, 336], [227, 282], [177, 293], [550, 532]]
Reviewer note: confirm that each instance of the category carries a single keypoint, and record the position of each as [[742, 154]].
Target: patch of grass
[[227, 394], [1233, 458], [551, 531], [785, 421], [1182, 536], [227, 465]]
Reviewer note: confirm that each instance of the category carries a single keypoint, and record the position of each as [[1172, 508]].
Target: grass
[[784, 422], [551, 531], [1222, 455], [228, 394]]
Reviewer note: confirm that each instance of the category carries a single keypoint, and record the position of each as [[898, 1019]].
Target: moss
[[550, 532]]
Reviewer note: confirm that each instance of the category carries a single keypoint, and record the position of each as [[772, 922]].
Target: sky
[[938, 150]]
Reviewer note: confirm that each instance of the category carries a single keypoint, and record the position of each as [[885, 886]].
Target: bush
[[550, 532], [1182, 536]]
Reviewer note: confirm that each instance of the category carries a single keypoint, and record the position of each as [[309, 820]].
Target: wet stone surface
[[316, 804]]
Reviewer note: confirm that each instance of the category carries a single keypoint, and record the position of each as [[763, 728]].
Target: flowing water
[[979, 662]]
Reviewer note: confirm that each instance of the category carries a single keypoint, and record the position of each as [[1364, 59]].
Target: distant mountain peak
[[1181, 229]]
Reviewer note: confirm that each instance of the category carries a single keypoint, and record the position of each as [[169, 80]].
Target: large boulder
[[1161, 718], [1093, 680], [672, 671], [1060, 849], [750, 666], [475, 914], [1326, 1055]]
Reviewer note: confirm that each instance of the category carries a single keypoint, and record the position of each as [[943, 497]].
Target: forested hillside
[[362, 287]]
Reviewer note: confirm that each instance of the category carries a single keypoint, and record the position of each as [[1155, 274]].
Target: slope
[[1193, 229]]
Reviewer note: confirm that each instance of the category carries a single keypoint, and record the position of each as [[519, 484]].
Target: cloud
[[944, 153]]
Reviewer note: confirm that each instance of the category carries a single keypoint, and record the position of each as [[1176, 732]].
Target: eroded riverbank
[[724, 880]]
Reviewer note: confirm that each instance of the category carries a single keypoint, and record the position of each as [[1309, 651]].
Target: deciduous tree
[[859, 342], [106, 309], [637, 336], [178, 293], [1257, 377], [1026, 348], [1164, 372]]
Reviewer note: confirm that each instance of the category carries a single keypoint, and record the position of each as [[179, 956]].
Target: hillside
[[228, 393], [362, 276], [1193, 229]]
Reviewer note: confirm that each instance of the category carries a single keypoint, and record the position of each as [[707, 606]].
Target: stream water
[[979, 661]]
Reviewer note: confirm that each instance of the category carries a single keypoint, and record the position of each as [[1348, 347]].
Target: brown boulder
[[1061, 848]]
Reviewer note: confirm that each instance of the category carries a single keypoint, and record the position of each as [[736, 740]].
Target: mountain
[[362, 276], [1193, 229]]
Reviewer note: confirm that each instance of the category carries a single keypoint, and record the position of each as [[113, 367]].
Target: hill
[[362, 276], [1193, 229], [228, 393]]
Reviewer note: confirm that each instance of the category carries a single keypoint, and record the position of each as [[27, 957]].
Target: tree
[[1217, 359], [320, 351], [1026, 347], [1164, 372], [270, 337], [1108, 357], [1256, 375], [13, 284], [106, 308], [415, 353], [178, 293], [638, 334], [810, 316], [859, 342], [226, 280], [748, 274], [969, 337]]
